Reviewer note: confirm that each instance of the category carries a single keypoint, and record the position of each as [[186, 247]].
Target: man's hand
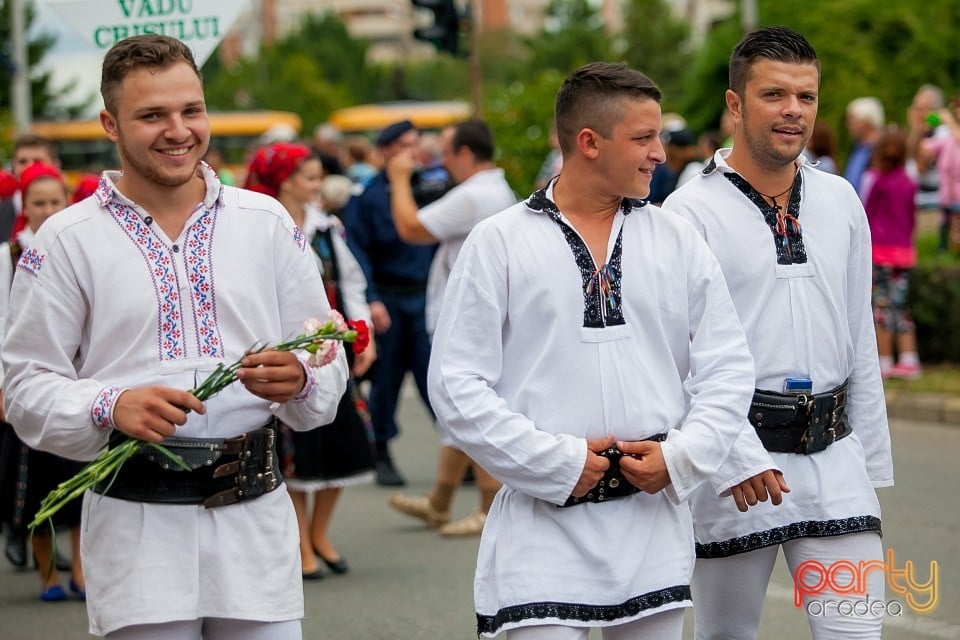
[[380, 317], [153, 413], [276, 376], [400, 167], [364, 360], [757, 488], [594, 467], [643, 465]]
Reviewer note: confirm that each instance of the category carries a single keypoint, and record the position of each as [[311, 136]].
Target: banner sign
[[201, 24]]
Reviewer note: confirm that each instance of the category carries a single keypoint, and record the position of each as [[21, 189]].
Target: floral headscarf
[[273, 164]]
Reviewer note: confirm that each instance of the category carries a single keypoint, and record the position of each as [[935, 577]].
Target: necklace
[[777, 207]]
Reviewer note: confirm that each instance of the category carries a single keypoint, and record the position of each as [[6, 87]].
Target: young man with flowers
[[131, 297], [588, 356]]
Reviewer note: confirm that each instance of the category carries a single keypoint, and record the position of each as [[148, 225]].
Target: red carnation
[[363, 335]]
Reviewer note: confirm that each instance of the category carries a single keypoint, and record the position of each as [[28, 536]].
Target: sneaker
[[472, 525], [16, 550], [419, 507], [905, 371]]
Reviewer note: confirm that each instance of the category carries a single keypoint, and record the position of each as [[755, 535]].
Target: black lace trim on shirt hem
[[582, 612], [808, 529]]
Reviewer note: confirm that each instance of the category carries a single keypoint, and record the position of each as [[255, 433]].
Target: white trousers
[[728, 593], [211, 629], [660, 626]]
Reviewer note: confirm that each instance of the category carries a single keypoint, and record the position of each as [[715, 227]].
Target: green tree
[[311, 71], [573, 35], [650, 29], [46, 102]]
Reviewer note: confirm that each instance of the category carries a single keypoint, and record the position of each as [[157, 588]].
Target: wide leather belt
[[222, 471], [803, 423], [614, 484]]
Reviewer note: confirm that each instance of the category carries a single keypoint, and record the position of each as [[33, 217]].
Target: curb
[[925, 407]]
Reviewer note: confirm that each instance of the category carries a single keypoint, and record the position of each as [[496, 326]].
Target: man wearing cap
[[396, 273]]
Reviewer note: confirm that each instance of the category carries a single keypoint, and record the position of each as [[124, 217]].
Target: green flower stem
[[108, 463]]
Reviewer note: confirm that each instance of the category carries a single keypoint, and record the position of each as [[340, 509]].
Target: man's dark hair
[[593, 97], [475, 135], [779, 44], [138, 52], [32, 141]]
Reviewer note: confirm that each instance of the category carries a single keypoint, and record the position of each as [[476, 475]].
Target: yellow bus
[[83, 147], [368, 119]]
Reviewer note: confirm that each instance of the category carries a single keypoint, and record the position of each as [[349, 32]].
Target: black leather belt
[[802, 423], [614, 484], [247, 467]]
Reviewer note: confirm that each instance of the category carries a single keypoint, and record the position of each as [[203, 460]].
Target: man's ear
[[588, 143], [734, 105], [109, 124]]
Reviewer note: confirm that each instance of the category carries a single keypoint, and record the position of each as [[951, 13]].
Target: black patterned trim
[[789, 241], [599, 310], [582, 612], [808, 529]]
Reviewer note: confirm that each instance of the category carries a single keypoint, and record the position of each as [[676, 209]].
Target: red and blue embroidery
[[30, 261], [102, 410], [171, 341]]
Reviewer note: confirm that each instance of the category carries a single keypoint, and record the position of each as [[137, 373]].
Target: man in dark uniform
[[396, 290]]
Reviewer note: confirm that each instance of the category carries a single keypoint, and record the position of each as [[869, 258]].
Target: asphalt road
[[408, 583]]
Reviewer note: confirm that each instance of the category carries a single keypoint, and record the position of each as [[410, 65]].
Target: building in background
[[388, 24]]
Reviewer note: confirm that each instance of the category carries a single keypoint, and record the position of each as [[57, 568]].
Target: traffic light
[[444, 33]]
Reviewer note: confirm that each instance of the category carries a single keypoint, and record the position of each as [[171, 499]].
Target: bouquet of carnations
[[319, 339]]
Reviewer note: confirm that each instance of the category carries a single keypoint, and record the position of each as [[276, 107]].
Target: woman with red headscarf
[[322, 461], [44, 193]]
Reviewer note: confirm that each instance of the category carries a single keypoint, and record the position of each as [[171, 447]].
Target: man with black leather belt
[[588, 356], [127, 300], [794, 246]]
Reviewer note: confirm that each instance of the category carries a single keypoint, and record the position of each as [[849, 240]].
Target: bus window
[[83, 147], [368, 119]]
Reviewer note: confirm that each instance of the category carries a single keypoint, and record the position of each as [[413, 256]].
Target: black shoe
[[338, 566], [16, 550], [387, 474], [316, 574]]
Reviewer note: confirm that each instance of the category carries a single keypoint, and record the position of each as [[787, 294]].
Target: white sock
[[909, 358], [886, 362]]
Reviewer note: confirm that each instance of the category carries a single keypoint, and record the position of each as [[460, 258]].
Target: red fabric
[[85, 188], [8, 184], [273, 164], [35, 171]]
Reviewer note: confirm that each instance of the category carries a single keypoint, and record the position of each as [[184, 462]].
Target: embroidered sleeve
[[308, 385], [102, 410], [31, 261]]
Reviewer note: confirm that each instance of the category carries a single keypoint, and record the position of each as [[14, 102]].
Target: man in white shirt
[[589, 357], [481, 191], [124, 302], [794, 245]]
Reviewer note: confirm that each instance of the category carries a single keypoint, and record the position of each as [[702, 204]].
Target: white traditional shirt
[[451, 218], [537, 350], [805, 305], [107, 302]]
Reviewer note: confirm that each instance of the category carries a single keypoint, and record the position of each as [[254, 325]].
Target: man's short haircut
[[593, 97], [149, 51], [33, 141], [779, 44], [475, 135]]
